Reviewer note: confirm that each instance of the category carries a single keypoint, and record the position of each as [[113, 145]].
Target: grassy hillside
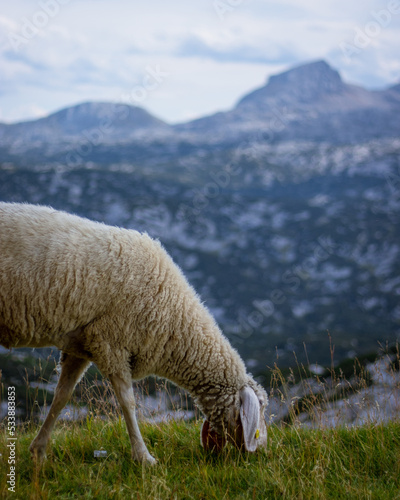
[[299, 463]]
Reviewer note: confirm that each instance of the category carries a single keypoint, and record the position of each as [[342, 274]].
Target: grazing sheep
[[114, 297]]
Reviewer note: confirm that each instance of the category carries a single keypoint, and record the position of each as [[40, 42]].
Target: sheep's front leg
[[124, 392], [72, 369]]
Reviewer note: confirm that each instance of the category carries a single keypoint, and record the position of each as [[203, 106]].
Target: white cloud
[[95, 49]]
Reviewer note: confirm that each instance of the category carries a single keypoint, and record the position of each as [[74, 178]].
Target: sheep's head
[[245, 424]]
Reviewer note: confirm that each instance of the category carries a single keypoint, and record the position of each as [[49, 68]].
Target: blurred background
[[259, 141]]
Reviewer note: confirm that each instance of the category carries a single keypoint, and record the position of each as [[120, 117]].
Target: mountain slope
[[309, 102], [102, 121]]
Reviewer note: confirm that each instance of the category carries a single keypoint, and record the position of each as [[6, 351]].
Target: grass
[[300, 463]]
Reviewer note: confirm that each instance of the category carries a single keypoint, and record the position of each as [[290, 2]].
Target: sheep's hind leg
[[124, 392], [72, 368]]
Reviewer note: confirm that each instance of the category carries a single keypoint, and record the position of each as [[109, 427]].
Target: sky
[[181, 60]]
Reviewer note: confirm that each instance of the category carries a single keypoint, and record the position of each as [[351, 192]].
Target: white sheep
[[114, 297]]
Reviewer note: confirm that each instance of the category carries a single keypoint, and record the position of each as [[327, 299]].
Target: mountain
[[309, 102], [284, 212], [309, 84], [102, 121]]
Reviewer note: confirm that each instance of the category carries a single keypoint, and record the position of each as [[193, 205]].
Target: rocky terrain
[[329, 399]]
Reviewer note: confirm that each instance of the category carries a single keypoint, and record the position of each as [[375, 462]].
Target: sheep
[[114, 297]]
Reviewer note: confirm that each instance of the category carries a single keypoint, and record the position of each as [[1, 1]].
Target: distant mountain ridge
[[111, 122], [307, 102], [310, 102], [306, 83]]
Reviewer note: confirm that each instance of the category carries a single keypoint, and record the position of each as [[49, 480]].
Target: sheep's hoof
[[150, 460], [145, 459], [38, 452]]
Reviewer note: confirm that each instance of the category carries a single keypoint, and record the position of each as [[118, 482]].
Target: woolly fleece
[[113, 296]]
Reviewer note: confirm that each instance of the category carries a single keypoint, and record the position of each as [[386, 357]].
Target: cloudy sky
[[180, 59]]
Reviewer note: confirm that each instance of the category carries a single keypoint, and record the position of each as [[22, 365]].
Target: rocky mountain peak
[[110, 121], [313, 76], [90, 114], [304, 83]]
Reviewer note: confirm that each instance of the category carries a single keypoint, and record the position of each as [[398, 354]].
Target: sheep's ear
[[250, 417], [210, 440]]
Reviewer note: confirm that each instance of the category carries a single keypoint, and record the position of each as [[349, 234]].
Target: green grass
[[300, 463], [319, 464]]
